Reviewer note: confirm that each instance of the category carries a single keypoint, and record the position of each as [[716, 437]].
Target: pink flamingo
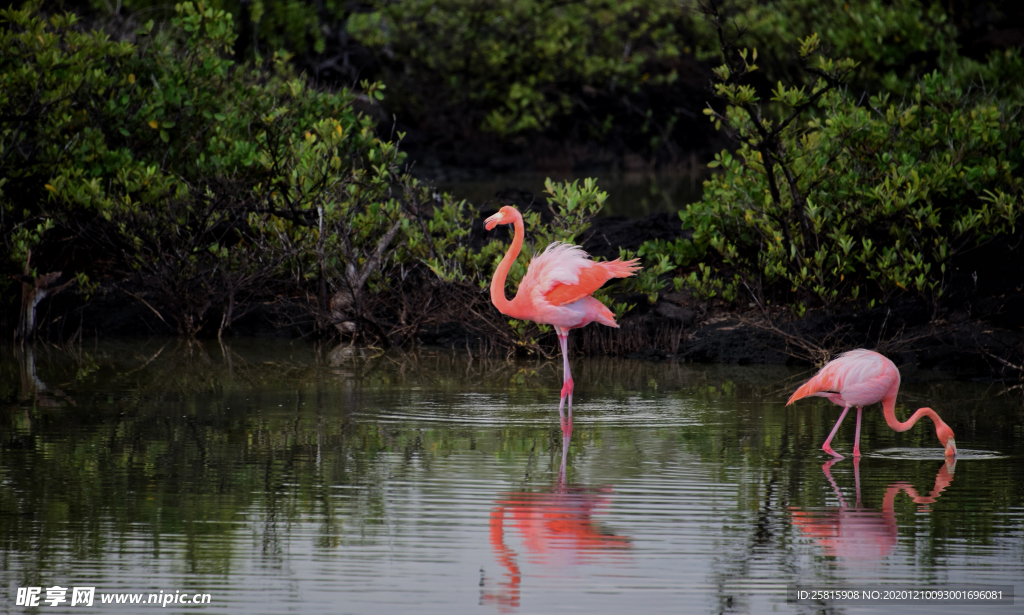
[[556, 289], [861, 378]]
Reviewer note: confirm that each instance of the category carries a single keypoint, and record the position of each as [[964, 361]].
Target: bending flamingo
[[556, 289], [861, 378]]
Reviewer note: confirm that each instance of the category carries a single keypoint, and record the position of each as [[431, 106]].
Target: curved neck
[[498, 281], [889, 410]]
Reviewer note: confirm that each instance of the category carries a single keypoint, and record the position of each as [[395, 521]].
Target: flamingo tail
[[591, 276], [619, 268], [822, 382]]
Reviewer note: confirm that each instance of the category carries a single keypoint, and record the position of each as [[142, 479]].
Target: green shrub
[[616, 72], [829, 198], [294, 26], [892, 41], [515, 67], [198, 179], [208, 186]]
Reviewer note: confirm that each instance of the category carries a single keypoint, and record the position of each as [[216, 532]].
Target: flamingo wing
[[591, 277], [868, 391], [565, 274], [862, 377]]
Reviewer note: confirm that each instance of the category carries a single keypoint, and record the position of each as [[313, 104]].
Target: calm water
[[278, 482]]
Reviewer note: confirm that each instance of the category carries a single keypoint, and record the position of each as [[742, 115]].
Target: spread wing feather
[[591, 278], [559, 264], [564, 273]]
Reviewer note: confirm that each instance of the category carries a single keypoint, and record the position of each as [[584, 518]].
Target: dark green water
[[277, 481]]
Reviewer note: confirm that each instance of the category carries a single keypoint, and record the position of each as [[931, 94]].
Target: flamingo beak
[[491, 222], [950, 448]]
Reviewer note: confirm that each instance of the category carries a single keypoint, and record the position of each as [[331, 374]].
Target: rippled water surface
[[279, 481]]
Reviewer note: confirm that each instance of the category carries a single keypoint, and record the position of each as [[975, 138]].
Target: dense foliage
[[204, 186], [515, 67], [196, 177], [832, 195], [891, 41], [203, 182], [629, 75]]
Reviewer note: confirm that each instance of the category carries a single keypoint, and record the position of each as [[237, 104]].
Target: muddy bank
[[675, 328], [670, 331], [970, 348], [978, 337], [982, 337]]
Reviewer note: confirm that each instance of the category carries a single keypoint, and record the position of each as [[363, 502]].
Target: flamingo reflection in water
[[864, 534], [556, 528]]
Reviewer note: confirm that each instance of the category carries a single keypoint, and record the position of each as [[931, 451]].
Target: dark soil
[[979, 335]]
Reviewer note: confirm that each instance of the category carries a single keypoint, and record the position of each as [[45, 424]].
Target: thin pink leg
[[856, 439], [825, 447], [563, 336]]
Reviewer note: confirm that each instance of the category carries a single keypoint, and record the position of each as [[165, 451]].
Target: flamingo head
[[505, 215], [945, 435]]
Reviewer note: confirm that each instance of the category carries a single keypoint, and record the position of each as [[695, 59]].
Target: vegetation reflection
[[191, 452]]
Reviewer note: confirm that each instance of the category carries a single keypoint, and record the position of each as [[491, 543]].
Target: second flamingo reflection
[[556, 290]]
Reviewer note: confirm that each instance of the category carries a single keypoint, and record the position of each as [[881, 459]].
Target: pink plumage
[[860, 378], [556, 289], [855, 378], [558, 283]]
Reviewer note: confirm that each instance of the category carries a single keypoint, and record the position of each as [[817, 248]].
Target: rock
[[675, 297], [607, 234], [674, 312]]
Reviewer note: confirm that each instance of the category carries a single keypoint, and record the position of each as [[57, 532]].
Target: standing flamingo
[[556, 289], [860, 378]]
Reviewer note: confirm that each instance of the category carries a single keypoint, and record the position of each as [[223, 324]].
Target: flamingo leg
[[563, 337], [825, 447], [856, 439]]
